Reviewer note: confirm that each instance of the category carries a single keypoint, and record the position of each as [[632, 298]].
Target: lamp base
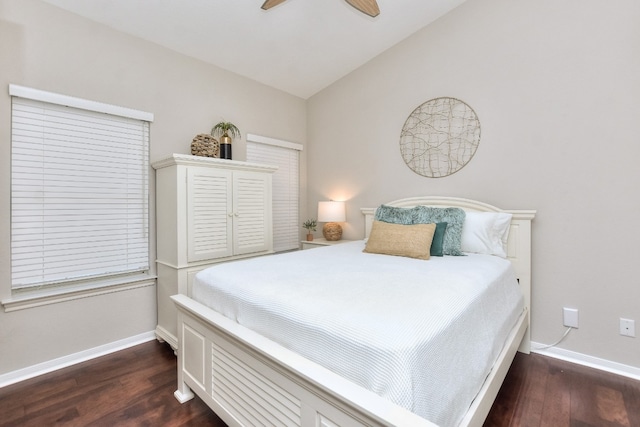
[[332, 231]]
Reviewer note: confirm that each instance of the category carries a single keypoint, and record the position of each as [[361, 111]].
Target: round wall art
[[440, 137]]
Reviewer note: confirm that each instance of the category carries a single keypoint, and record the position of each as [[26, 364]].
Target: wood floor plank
[[556, 410], [596, 401], [507, 400], [632, 402], [27, 396], [528, 411], [135, 387], [69, 397]]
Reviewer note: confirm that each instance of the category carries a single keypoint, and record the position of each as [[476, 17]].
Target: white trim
[[590, 361], [189, 160], [70, 101], [30, 299], [273, 141], [72, 359]]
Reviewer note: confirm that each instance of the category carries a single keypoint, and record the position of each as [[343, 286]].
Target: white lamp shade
[[331, 212]]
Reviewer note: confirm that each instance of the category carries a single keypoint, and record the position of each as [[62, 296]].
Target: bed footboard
[[249, 380]]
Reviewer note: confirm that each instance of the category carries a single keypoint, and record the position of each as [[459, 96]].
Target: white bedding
[[423, 334]]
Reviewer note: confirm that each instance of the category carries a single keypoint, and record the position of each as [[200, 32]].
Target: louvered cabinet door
[[210, 214], [252, 221]]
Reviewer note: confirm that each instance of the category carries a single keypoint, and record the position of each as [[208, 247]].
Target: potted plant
[[310, 225], [226, 131]]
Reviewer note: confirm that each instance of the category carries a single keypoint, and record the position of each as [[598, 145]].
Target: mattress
[[423, 334]]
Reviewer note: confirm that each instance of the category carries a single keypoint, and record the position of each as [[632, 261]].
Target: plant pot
[[309, 237], [225, 147]]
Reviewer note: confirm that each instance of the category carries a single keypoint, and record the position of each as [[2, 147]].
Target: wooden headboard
[[518, 245]]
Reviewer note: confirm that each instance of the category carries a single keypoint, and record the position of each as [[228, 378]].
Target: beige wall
[[49, 49], [556, 88]]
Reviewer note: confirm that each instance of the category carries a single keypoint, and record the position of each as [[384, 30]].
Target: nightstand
[[316, 243]]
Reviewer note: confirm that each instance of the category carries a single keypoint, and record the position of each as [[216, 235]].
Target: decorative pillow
[[438, 239], [486, 233], [394, 215], [454, 217], [412, 241]]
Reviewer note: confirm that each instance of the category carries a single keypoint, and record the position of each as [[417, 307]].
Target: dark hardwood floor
[[542, 391], [134, 387]]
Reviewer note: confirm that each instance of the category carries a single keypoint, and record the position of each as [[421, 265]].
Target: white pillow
[[486, 233]]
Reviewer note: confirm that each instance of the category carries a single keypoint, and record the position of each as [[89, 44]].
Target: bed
[[230, 355]]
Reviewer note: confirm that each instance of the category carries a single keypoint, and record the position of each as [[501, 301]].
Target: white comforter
[[423, 334]]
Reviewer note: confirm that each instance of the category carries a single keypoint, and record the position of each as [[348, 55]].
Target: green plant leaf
[[226, 129]]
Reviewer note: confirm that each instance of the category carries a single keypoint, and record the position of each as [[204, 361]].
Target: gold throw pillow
[[412, 241]]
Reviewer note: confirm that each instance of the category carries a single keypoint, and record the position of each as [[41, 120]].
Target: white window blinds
[[286, 186], [79, 190]]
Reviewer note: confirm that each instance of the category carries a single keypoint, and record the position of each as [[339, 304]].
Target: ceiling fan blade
[[370, 7], [271, 3]]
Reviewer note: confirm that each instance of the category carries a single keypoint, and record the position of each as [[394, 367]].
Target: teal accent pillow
[[438, 239], [394, 215], [454, 217]]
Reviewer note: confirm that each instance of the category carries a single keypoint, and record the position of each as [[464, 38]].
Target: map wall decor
[[440, 137]]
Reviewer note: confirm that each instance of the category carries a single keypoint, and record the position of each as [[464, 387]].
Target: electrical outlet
[[570, 317], [627, 327]]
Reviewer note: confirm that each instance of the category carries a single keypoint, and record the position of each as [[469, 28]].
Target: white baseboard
[[72, 359], [590, 361]]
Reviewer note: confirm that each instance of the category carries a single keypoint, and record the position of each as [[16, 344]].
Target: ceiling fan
[[370, 7]]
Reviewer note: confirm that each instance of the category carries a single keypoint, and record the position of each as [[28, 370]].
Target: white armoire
[[207, 211]]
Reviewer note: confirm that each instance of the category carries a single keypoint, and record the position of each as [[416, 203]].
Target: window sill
[[30, 299]]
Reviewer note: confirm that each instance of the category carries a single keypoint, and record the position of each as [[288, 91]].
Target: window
[[286, 186], [79, 191]]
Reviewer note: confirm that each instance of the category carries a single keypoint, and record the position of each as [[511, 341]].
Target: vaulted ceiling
[[299, 46]]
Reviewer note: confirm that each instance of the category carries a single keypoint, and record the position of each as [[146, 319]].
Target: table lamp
[[331, 213]]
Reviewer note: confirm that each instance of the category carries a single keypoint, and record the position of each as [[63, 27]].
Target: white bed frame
[[249, 380]]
